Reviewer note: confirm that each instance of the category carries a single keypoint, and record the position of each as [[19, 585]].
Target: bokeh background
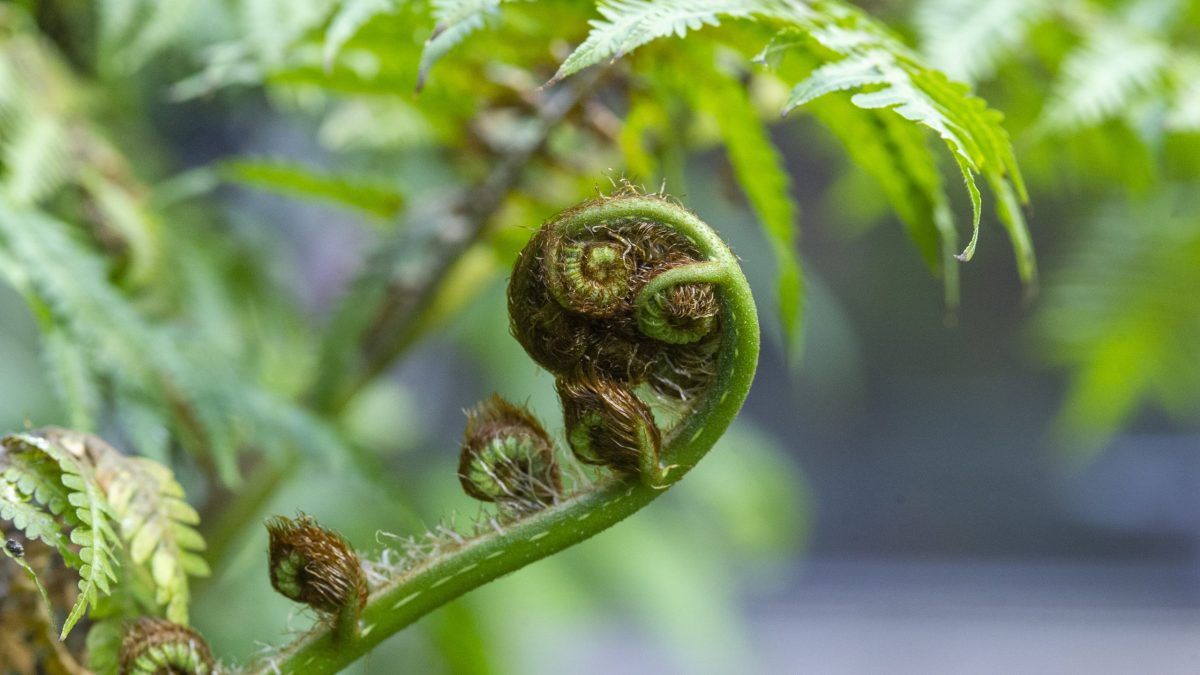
[[1008, 485]]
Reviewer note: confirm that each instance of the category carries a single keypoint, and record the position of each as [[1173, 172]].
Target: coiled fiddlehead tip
[[619, 296], [154, 646], [508, 458], [317, 567], [607, 424]]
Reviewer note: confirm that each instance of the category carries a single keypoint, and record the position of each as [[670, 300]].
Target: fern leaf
[[373, 197], [352, 16], [88, 511], [861, 55], [156, 522], [761, 174], [72, 379], [629, 24], [1104, 77], [456, 19], [967, 39]]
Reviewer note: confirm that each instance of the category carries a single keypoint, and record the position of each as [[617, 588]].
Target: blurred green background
[[1004, 484]]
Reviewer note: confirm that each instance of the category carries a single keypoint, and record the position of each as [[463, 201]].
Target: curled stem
[[692, 254]]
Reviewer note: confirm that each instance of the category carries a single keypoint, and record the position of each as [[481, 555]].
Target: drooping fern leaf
[[861, 55]]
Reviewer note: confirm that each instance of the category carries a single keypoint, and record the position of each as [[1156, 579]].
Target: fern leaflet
[[88, 514], [629, 24], [760, 171], [456, 19], [373, 197]]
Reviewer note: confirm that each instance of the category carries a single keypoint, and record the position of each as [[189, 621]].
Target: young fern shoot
[[644, 317]]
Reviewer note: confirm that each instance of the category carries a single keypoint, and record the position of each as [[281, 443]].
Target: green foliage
[[629, 24], [967, 39], [86, 514], [76, 493], [164, 311], [374, 197], [456, 19], [860, 55], [759, 169], [1122, 314]]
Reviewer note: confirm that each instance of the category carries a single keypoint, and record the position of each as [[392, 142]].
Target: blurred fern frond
[[1126, 61], [968, 39], [370, 195], [1122, 316]]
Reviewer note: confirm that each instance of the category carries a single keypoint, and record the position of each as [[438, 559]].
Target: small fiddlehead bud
[[508, 458], [608, 424], [159, 647], [317, 567]]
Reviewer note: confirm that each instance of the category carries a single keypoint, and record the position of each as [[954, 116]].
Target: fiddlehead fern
[[508, 458], [315, 566], [159, 647], [645, 319]]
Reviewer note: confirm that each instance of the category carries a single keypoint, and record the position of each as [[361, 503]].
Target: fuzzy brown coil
[[154, 646], [315, 566], [574, 306], [508, 458]]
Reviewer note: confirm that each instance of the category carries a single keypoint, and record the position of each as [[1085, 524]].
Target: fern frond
[[761, 174], [89, 516], [155, 522], [861, 55], [968, 39], [1122, 316], [629, 24], [206, 404], [1104, 78], [374, 197], [456, 19], [90, 489], [350, 17]]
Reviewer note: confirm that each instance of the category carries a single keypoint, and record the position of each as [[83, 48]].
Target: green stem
[[478, 560]]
